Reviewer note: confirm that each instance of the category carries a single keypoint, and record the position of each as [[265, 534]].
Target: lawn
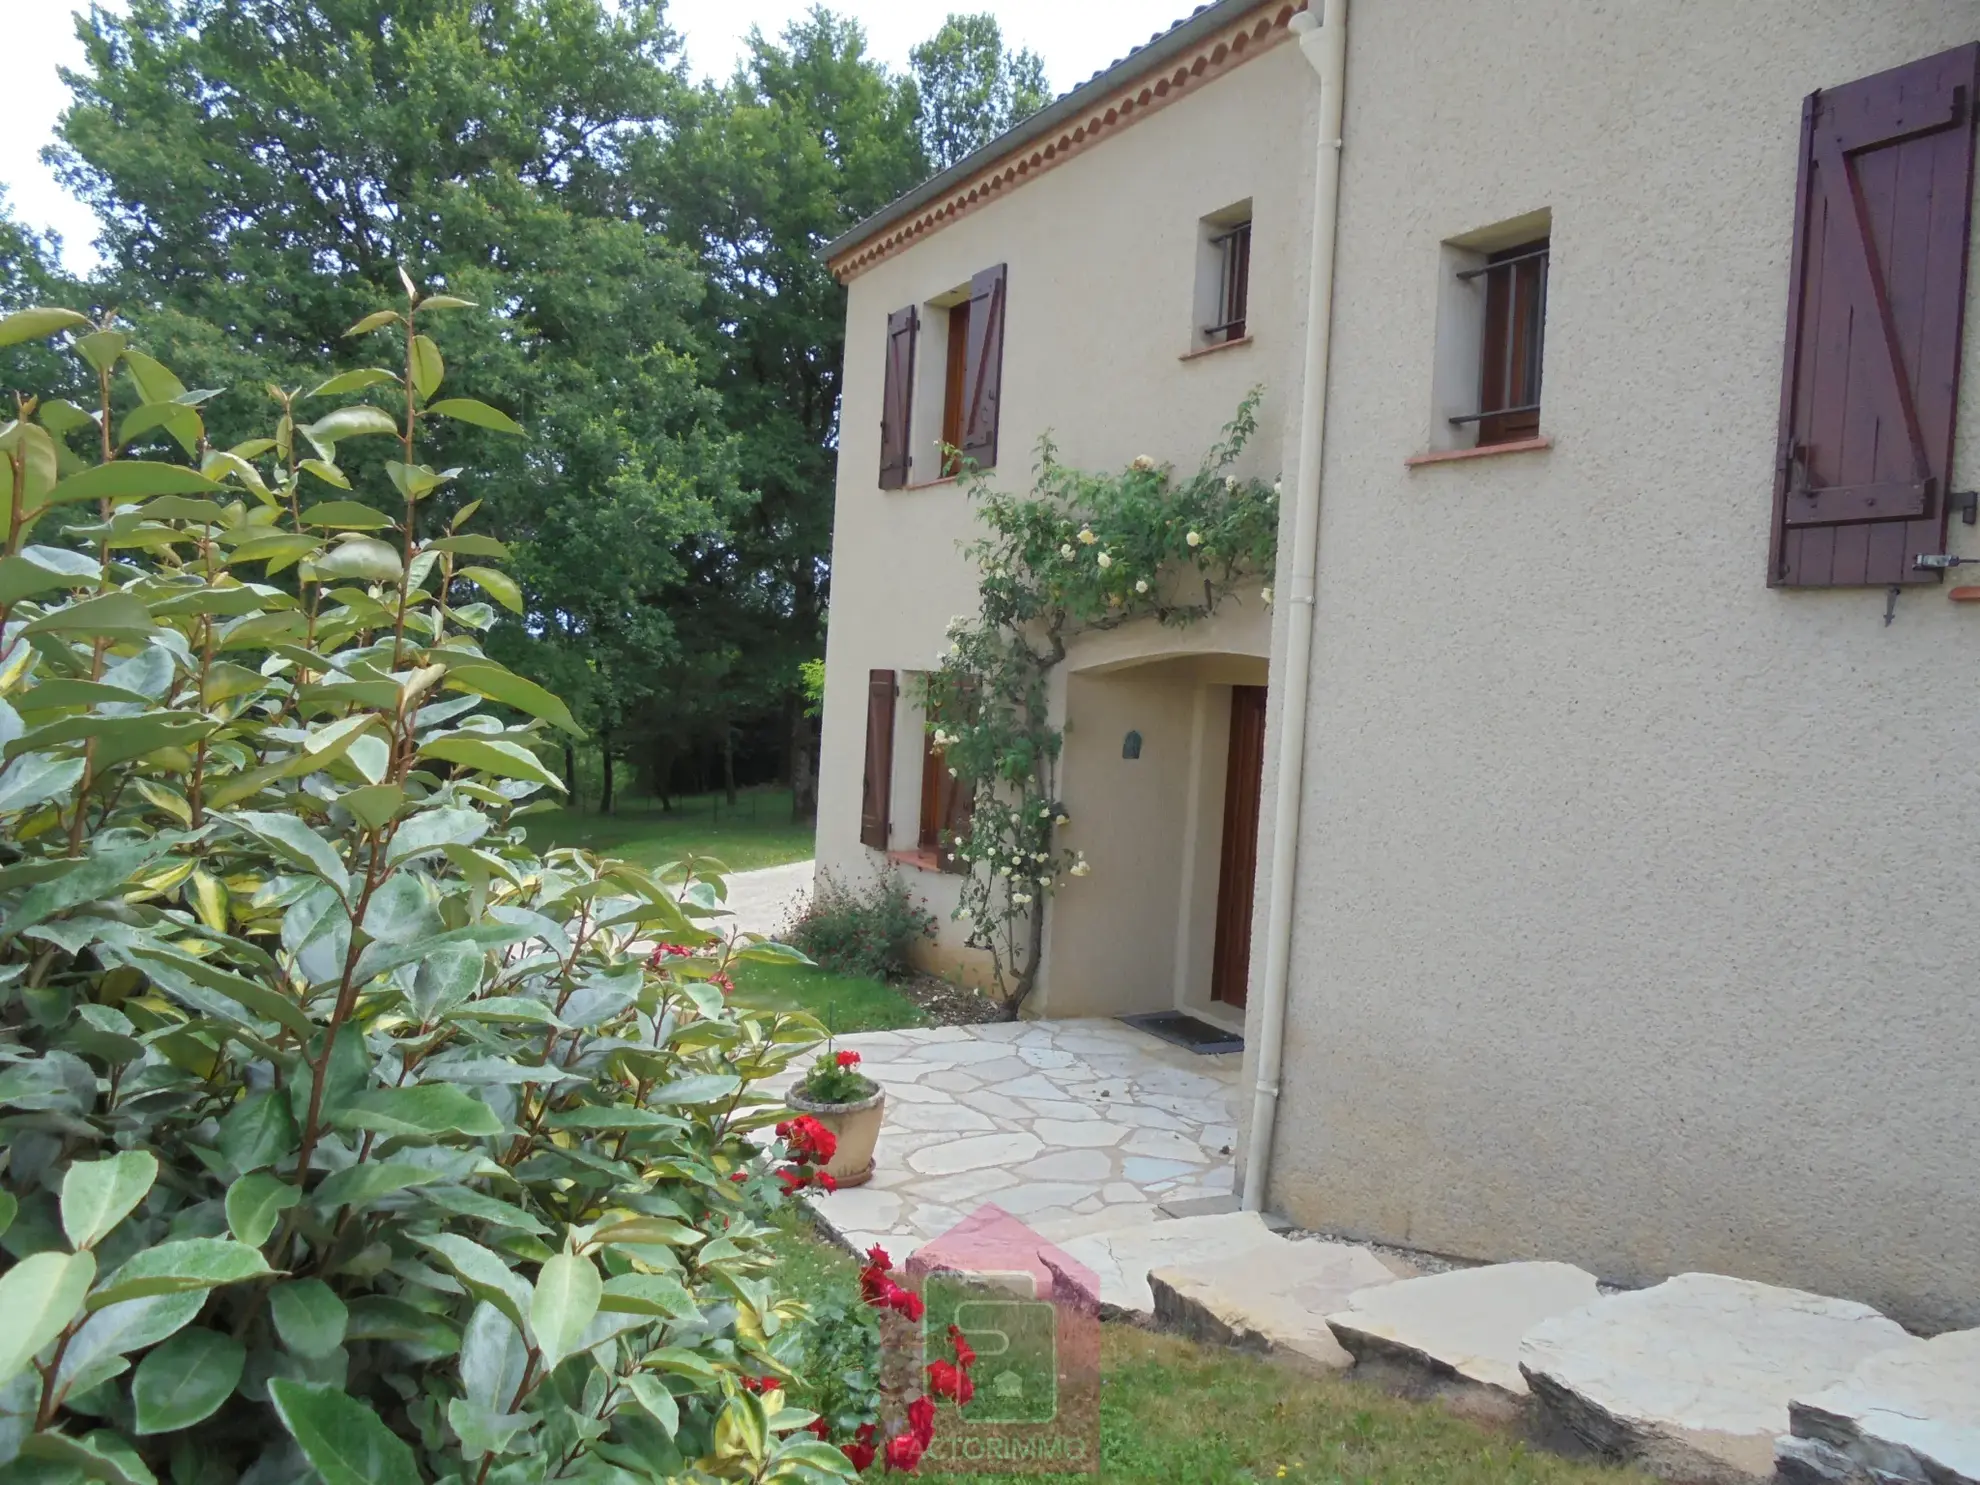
[[757, 830], [1183, 1414], [844, 1003]]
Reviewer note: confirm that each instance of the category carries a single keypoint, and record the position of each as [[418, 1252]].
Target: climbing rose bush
[[342, 1136]]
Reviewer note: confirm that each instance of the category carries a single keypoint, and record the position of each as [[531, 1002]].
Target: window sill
[[1210, 350], [920, 860], [1965, 595], [1452, 456], [947, 479]]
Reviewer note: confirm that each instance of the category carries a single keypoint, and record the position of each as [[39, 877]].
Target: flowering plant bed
[[847, 1104]]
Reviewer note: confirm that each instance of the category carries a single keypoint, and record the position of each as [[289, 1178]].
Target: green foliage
[[345, 1137], [1078, 553], [869, 930], [499, 151], [971, 88], [834, 1077]]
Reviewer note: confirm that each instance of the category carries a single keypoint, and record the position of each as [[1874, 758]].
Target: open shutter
[[983, 385], [877, 796], [897, 398], [1877, 301]]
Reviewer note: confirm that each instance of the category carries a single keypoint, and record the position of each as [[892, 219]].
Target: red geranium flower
[[827, 1180], [877, 1256], [945, 1379], [760, 1385], [860, 1456], [904, 1452], [848, 1059], [820, 1429]]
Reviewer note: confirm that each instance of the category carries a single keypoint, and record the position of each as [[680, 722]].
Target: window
[[1223, 278], [945, 807], [1512, 343], [955, 389], [1233, 284], [1877, 284], [969, 394]]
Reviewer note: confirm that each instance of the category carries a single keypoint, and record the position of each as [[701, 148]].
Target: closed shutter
[[897, 399], [983, 385], [877, 796], [1878, 296]]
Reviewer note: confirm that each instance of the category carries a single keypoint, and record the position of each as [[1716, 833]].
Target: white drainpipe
[[1325, 47]]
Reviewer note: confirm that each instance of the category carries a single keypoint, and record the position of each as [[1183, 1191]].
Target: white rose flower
[[1006, 871], [1020, 898], [1266, 594], [1230, 483], [1080, 868], [1195, 538], [1141, 585], [1066, 551], [1105, 560], [952, 773], [1046, 813], [1086, 536], [963, 913], [1063, 820], [1143, 463]]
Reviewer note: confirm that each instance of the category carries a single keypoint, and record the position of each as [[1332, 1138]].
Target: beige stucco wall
[[1103, 261], [1637, 916]]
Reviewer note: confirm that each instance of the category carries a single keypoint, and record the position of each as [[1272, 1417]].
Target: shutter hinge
[[1967, 503]]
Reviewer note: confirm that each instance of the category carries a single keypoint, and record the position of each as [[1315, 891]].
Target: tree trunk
[[729, 765], [803, 766], [605, 747], [570, 776]]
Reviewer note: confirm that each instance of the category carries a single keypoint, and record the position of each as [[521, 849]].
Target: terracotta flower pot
[[857, 1127]]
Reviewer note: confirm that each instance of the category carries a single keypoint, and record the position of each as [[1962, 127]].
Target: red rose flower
[[965, 1354], [904, 1452], [860, 1456], [921, 1419]]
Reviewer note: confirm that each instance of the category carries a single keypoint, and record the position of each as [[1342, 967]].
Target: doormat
[[1186, 1031]]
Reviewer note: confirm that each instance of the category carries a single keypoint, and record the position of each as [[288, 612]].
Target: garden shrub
[[344, 1137], [869, 931]]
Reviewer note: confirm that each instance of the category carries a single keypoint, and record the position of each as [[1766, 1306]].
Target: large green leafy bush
[[343, 1137]]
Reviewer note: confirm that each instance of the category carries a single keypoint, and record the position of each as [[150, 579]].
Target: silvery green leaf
[[493, 1358]]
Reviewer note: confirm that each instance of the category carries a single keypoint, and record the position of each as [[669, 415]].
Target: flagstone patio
[[1072, 1126]]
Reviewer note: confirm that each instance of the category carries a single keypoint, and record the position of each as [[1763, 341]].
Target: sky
[[1075, 37]]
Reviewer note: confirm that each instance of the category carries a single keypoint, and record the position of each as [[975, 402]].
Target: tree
[[810, 136], [971, 89], [264, 168], [31, 274]]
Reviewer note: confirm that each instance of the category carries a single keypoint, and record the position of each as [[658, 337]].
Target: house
[[1610, 880]]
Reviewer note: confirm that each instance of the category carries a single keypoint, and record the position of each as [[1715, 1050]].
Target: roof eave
[[1171, 43]]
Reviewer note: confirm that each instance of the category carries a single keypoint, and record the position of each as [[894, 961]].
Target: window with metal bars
[[1514, 283], [1233, 250]]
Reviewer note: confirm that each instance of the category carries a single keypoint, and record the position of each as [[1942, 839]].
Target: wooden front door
[[1237, 871]]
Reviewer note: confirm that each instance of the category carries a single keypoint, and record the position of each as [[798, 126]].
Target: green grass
[[756, 831], [1183, 1414], [843, 1002]]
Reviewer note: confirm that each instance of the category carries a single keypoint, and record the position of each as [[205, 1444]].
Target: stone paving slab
[[1912, 1413], [1465, 1324], [1691, 1379], [1124, 1256], [1072, 1126], [1274, 1304]]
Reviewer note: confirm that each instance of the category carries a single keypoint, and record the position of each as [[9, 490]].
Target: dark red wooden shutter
[[984, 384], [1875, 313], [897, 399], [876, 797]]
